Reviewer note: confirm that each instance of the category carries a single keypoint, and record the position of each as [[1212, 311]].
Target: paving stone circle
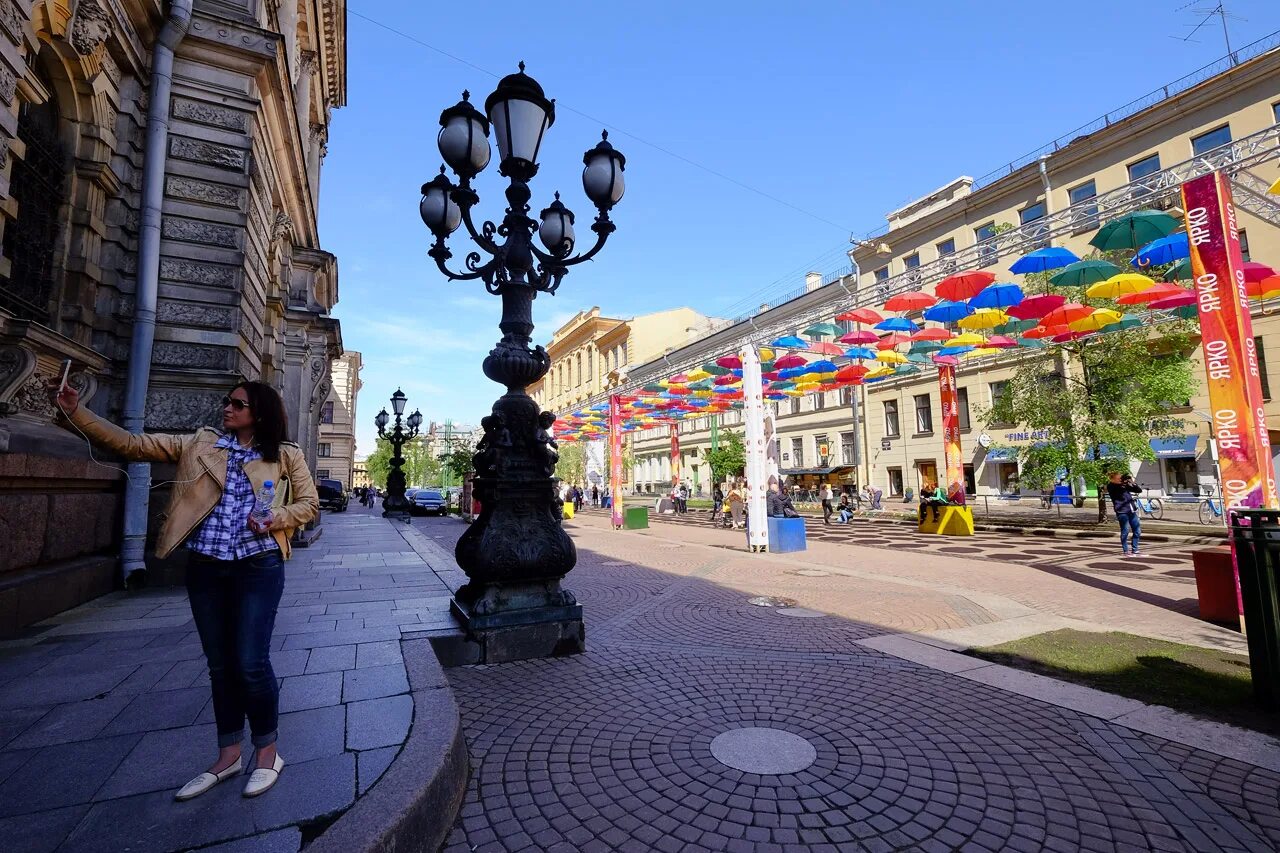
[[762, 750], [800, 612]]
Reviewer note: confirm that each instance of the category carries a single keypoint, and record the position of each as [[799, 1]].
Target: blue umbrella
[[954, 350], [1049, 258], [1166, 250], [997, 295], [823, 366], [948, 312], [792, 372], [790, 342], [897, 324], [859, 352]]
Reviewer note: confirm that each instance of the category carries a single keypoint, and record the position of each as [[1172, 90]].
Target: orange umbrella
[[825, 348], [963, 285], [859, 315], [1047, 331], [1065, 314], [932, 333], [1268, 286], [892, 339], [851, 373], [912, 300], [1151, 294]]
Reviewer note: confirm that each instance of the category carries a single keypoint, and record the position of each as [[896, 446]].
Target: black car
[[428, 502], [332, 495]]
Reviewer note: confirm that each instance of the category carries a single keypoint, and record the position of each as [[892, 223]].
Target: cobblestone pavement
[[614, 749], [105, 709]]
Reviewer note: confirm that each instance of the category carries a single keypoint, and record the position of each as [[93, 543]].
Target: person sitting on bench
[[934, 496]]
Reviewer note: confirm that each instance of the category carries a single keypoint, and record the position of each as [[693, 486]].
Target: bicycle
[[1210, 510], [1151, 507]]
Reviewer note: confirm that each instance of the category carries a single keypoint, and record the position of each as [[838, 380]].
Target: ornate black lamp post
[[516, 552], [394, 505]]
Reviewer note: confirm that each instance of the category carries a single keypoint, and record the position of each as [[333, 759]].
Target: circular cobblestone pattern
[[762, 750]]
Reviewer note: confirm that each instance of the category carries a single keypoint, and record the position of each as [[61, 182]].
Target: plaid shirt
[[225, 534]]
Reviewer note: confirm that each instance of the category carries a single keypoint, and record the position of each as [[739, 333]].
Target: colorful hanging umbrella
[[1128, 321], [859, 352], [926, 346], [1181, 271], [1254, 271], [1064, 314], [981, 352], [1016, 327], [1035, 307], [889, 356], [912, 300], [984, 318], [1001, 342], [906, 369], [1263, 289], [826, 348], [1188, 298], [947, 311], [729, 361], [1120, 284], [963, 285], [851, 373], [789, 361], [967, 339], [1134, 230], [1156, 291], [1031, 343], [1166, 250], [931, 333], [822, 330], [1098, 319], [892, 339], [897, 324], [859, 315], [866, 336], [1043, 260], [998, 295], [766, 354], [920, 357], [715, 369], [790, 342], [1084, 273], [694, 376], [879, 373], [728, 380], [951, 352], [1186, 312], [1046, 331]]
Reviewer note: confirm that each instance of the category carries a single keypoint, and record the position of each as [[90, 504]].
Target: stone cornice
[[333, 50]]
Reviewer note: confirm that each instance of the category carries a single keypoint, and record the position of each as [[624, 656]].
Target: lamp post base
[[518, 621]]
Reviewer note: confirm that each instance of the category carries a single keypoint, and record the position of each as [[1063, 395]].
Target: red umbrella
[[1151, 294], [859, 315], [769, 376], [1046, 331], [1000, 342], [932, 333], [963, 285], [1258, 289], [892, 339], [946, 359], [851, 373], [727, 380], [865, 337], [730, 361], [1065, 314], [824, 348], [1035, 307], [791, 361], [1185, 298], [1257, 272], [679, 378], [912, 300], [1067, 337]]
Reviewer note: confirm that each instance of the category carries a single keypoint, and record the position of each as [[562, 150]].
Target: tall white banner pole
[[757, 449]]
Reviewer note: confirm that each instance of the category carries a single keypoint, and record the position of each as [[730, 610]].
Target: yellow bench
[[952, 521]]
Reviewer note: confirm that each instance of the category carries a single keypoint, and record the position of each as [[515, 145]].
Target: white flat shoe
[[205, 781], [261, 779]]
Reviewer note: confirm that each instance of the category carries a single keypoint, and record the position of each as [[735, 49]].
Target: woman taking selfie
[[236, 572]]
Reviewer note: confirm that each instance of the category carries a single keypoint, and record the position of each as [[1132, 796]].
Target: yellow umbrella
[[1120, 284], [794, 392], [1275, 188], [889, 356], [699, 373], [701, 394], [981, 352], [966, 340], [984, 318], [766, 354], [886, 370], [1099, 319]]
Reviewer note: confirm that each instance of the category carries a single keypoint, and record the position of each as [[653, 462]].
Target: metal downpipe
[[137, 488]]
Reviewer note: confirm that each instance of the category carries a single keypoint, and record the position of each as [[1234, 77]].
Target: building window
[[924, 414], [882, 274], [962, 405], [1262, 368], [891, 419], [1244, 244], [822, 447], [1275, 112], [987, 252], [946, 247], [846, 395], [795, 405], [797, 453], [1085, 218], [326, 412], [1039, 234], [846, 448], [895, 481], [580, 376], [1139, 170], [819, 401], [1210, 140], [591, 364], [322, 473], [970, 481], [997, 392], [324, 449]]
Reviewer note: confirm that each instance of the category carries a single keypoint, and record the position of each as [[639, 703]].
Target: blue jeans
[[234, 604], [845, 515], [1129, 522]]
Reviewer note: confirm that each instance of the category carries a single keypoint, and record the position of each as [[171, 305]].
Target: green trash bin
[[1256, 539], [635, 517]]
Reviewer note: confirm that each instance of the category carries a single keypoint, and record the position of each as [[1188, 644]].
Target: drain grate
[[771, 601]]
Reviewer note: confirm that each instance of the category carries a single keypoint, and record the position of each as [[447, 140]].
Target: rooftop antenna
[[1207, 13]]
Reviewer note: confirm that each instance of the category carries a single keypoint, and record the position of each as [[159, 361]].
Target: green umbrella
[[920, 357], [701, 385], [1134, 230], [656, 389], [766, 366], [905, 369], [1084, 273], [925, 347], [1015, 327], [822, 330], [1128, 321], [715, 369], [1186, 312], [1181, 271], [1031, 343]]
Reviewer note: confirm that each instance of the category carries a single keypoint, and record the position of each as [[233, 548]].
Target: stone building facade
[[245, 288], [336, 450]]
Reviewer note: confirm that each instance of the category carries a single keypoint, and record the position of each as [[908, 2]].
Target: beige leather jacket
[[202, 474]]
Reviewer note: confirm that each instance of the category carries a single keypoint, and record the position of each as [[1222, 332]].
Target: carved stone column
[[302, 92]]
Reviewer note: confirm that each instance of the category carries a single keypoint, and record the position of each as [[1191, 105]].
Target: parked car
[[427, 502], [332, 495], [410, 492]]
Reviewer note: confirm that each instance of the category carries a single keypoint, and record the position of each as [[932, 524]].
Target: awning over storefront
[[1166, 448], [1002, 454]]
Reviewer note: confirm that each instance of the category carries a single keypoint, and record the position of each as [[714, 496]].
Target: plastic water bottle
[[262, 506]]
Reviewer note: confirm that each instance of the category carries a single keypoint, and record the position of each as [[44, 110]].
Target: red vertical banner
[[615, 460], [951, 452], [1230, 357], [675, 455]]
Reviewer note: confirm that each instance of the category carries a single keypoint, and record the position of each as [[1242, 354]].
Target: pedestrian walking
[[736, 504], [828, 502], [684, 498], [595, 496], [238, 544], [1121, 490], [717, 502]]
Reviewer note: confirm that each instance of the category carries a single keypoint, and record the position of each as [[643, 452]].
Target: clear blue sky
[[843, 110]]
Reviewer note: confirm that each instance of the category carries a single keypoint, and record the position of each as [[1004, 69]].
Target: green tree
[[729, 459], [421, 468], [456, 459], [378, 463], [572, 466]]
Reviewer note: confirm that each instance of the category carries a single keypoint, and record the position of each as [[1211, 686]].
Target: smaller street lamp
[[394, 505]]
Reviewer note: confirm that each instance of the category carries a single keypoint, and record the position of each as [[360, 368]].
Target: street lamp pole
[[394, 505], [516, 553]]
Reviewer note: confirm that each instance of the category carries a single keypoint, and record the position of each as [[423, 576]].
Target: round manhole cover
[[802, 612], [765, 751], [771, 601]]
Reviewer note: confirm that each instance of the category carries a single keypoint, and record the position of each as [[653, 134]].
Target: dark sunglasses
[[237, 404]]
